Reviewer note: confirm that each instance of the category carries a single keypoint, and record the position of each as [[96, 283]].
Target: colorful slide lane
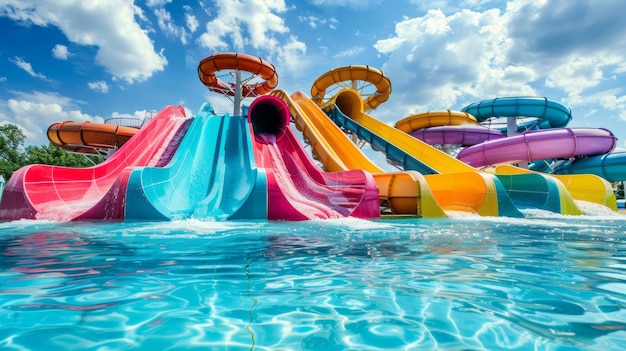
[[62, 193], [525, 190], [297, 188], [400, 193], [212, 175]]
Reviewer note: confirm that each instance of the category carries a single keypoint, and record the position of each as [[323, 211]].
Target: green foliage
[[52, 155], [13, 155], [11, 158]]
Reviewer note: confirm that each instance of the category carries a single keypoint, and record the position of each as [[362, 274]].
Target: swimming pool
[[544, 282]]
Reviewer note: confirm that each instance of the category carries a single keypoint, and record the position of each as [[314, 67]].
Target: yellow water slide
[[401, 193], [435, 119], [460, 190], [456, 186]]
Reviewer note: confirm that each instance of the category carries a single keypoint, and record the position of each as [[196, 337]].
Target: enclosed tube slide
[[400, 193], [540, 145], [610, 166], [447, 127], [211, 175], [548, 113], [63, 193], [88, 137], [463, 135], [297, 188]]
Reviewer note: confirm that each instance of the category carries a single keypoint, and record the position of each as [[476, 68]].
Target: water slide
[[486, 146], [89, 138], [297, 188], [545, 113], [562, 143], [400, 193], [548, 140], [526, 190], [211, 175], [447, 128], [63, 193], [610, 166]]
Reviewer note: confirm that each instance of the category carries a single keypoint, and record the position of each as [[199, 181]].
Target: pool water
[[544, 282]]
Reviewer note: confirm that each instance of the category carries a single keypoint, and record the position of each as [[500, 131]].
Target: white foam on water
[[352, 223]]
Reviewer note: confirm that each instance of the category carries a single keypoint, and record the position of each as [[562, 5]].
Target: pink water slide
[[560, 143], [297, 188], [98, 192]]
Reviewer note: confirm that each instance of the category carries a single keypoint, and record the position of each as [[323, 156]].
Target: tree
[[13, 157], [11, 141], [52, 155]]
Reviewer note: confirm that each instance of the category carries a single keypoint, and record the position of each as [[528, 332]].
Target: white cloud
[[437, 61], [164, 19], [28, 68], [100, 86], [124, 48], [33, 112], [258, 17], [350, 52], [60, 52], [157, 3], [190, 20]]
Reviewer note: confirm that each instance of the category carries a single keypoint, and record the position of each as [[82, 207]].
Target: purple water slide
[[540, 145], [464, 135]]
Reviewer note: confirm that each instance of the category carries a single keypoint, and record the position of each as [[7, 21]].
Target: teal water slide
[[211, 175]]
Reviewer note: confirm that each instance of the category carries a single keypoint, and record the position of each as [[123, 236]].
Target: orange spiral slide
[[89, 138], [242, 62]]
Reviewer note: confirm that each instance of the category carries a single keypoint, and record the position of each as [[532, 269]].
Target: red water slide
[[64, 193]]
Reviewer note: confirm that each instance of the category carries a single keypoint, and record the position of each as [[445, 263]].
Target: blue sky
[[88, 60]]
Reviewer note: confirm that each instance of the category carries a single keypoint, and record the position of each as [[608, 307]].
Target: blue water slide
[[548, 113], [211, 175], [611, 166]]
